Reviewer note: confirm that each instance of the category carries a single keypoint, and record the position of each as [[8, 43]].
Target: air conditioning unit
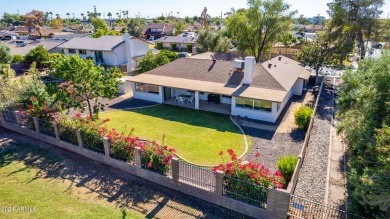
[[239, 64]]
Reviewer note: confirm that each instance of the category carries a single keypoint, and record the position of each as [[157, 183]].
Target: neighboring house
[[119, 51], [158, 30], [66, 36], [316, 20], [8, 34], [313, 28], [180, 42], [50, 46], [243, 88], [215, 55], [44, 33], [21, 30]]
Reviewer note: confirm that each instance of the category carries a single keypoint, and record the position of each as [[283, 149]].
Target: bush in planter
[[286, 165], [155, 157], [159, 45], [302, 117]]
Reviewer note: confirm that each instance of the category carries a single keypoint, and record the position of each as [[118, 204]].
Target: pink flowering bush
[[250, 171]]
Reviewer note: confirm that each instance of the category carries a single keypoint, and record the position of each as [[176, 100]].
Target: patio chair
[[177, 98], [181, 100], [191, 100]]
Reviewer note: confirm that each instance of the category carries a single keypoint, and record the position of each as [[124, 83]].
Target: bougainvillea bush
[[249, 171], [156, 157], [247, 181], [36, 109]]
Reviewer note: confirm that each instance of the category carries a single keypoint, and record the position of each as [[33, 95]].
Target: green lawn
[[23, 185], [197, 136]]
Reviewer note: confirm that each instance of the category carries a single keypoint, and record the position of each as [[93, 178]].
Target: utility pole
[[18, 12]]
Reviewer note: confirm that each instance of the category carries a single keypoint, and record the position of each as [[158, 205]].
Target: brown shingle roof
[[215, 55]]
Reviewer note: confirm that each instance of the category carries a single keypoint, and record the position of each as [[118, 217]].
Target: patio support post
[[57, 130], [79, 138], [219, 183], [107, 146], [36, 124], [175, 169], [196, 99], [18, 118], [1, 118], [137, 154]]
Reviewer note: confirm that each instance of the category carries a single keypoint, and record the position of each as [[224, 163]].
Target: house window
[[224, 96], [72, 51], [277, 107], [190, 91], [254, 104], [147, 88], [82, 52]]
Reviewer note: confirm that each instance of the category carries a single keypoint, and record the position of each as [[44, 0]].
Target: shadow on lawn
[[192, 117], [124, 190]]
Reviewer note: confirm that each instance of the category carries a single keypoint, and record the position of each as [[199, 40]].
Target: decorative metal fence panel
[[27, 122], [245, 191], [68, 135], [122, 151], [92, 142], [196, 176], [308, 209], [9, 116], [46, 128]]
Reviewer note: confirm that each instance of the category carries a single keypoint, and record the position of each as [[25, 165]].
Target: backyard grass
[[197, 136], [23, 185]]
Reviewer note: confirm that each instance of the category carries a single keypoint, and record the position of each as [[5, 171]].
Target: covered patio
[[203, 105]]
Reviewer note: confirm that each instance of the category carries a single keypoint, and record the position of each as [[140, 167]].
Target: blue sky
[[154, 8]]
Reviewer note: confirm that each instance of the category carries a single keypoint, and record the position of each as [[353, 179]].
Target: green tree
[[5, 55], [151, 61], [136, 27], [353, 21], [101, 28], [34, 21], [256, 29], [364, 110], [179, 27], [85, 83], [316, 55], [39, 55], [288, 39], [210, 40]]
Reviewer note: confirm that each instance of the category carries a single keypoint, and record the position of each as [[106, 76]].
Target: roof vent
[[269, 65], [214, 61], [280, 58], [239, 64]]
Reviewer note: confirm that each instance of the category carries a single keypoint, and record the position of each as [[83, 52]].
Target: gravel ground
[[312, 177], [121, 189]]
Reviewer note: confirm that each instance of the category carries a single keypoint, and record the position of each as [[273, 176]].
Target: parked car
[[6, 38], [151, 38], [20, 43], [377, 46]]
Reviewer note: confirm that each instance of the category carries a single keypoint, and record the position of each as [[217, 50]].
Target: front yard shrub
[[174, 47], [17, 59], [189, 47], [159, 45], [302, 117], [286, 165]]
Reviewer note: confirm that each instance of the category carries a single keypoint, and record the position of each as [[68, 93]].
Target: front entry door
[[167, 93]]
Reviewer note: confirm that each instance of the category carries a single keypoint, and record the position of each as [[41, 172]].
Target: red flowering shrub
[[40, 110], [249, 171]]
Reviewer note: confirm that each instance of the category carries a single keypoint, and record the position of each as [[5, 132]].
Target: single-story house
[[66, 36], [8, 34], [50, 46], [240, 87], [181, 42], [158, 30], [119, 51]]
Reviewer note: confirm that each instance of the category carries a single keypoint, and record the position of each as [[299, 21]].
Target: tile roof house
[[240, 87], [157, 30], [119, 51], [180, 41], [50, 46]]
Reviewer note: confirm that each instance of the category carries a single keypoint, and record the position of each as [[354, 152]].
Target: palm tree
[[127, 13], [58, 16], [117, 15], [82, 16], [124, 14], [46, 15], [99, 14], [51, 15], [178, 14], [67, 14]]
